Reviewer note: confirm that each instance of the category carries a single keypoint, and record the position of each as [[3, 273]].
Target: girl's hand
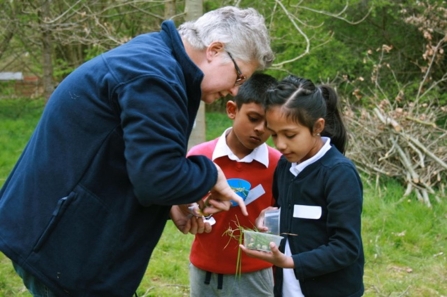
[[275, 257], [260, 223]]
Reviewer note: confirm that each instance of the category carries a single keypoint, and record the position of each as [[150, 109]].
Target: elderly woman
[[86, 203]]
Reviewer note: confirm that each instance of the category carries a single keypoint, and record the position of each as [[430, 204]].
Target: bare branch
[[337, 15], [428, 72]]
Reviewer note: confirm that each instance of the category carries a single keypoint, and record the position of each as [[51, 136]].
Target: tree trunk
[[47, 78], [169, 9], [193, 10]]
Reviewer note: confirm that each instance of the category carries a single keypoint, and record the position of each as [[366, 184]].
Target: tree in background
[[400, 40], [324, 40], [51, 38]]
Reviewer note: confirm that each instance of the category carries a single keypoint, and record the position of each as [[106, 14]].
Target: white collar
[[222, 149], [296, 168]]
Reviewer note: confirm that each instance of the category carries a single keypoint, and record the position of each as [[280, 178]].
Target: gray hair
[[243, 32]]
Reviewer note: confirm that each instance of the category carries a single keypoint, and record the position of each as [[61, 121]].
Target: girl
[[319, 193]]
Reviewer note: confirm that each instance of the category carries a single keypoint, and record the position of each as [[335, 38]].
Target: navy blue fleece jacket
[[89, 197]]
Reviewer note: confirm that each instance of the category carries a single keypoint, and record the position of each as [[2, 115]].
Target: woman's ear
[[214, 49], [231, 109]]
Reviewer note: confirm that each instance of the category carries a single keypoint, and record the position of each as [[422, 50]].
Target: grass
[[17, 121], [405, 242]]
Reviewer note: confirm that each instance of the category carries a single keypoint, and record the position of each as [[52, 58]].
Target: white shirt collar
[[222, 149], [296, 168]]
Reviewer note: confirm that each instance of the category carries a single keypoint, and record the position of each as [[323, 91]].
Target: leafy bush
[[7, 89]]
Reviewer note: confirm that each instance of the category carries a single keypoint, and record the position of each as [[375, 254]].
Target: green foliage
[[18, 119], [211, 5], [78, 30], [341, 47], [404, 244], [216, 122], [168, 274], [328, 62], [6, 88], [10, 282], [387, 49], [63, 69], [93, 51], [383, 26]]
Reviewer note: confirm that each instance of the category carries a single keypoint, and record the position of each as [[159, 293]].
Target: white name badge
[[254, 194], [307, 212]]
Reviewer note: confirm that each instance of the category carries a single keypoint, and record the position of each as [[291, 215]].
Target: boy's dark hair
[[304, 102], [255, 89]]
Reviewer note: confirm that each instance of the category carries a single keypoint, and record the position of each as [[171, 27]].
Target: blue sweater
[[327, 251], [90, 195]]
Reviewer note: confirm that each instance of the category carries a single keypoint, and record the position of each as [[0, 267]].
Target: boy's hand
[[275, 257]]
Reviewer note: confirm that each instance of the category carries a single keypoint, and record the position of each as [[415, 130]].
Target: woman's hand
[[188, 223], [221, 196]]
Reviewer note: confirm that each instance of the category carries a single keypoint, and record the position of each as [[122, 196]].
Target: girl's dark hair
[[304, 102], [255, 89]]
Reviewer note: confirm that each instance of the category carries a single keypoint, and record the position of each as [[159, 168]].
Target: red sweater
[[215, 251]]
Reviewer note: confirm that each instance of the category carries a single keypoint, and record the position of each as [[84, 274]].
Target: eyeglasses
[[240, 78]]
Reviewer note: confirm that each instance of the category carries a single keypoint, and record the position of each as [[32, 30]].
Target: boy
[[241, 152]]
